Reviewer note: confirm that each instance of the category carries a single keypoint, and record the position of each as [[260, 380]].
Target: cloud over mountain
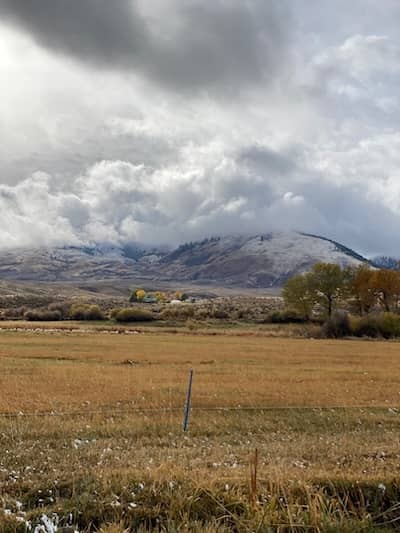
[[165, 121]]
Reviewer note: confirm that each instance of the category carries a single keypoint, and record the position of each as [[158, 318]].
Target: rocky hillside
[[266, 260]]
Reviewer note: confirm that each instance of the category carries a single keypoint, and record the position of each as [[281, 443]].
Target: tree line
[[329, 287]]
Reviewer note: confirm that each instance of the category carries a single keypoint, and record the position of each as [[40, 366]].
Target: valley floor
[[91, 432]]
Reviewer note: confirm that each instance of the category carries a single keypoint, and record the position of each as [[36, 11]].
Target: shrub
[[201, 313], [15, 312], [86, 312], [94, 313], [337, 326], [77, 312], [130, 314], [178, 312], [366, 326], [191, 324], [114, 312], [385, 325], [43, 315], [219, 313], [285, 316], [390, 325], [62, 307]]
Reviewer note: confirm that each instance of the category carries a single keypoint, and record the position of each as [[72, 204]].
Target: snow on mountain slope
[[266, 260]]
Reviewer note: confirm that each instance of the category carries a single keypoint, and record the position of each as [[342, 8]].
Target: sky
[[163, 121]]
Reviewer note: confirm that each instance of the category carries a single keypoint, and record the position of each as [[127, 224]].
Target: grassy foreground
[[112, 456]]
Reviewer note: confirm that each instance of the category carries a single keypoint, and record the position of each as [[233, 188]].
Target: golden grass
[[96, 466], [316, 466], [64, 371]]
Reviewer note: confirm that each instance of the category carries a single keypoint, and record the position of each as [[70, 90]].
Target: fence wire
[[221, 409]]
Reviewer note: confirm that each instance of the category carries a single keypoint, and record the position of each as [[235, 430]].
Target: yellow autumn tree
[[140, 294], [386, 284], [360, 287]]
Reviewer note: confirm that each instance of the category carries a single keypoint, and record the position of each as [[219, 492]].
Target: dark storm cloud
[[100, 31], [233, 42], [199, 44]]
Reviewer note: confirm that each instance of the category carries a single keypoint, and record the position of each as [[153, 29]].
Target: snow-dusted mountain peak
[[262, 260]]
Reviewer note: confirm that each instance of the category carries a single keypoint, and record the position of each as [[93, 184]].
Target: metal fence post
[[188, 401]]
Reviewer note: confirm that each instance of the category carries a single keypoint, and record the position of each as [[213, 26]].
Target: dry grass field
[[91, 438], [66, 371]]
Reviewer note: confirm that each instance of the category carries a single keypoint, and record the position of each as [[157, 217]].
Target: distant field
[[64, 371], [327, 436]]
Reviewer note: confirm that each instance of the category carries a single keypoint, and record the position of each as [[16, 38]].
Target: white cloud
[[125, 155]]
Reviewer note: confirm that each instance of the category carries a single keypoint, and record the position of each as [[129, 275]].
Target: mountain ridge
[[252, 261]]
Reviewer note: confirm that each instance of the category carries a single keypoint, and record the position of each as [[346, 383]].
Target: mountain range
[[263, 260]]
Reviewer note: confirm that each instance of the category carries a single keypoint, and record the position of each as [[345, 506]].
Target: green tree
[[327, 283], [323, 285], [298, 295]]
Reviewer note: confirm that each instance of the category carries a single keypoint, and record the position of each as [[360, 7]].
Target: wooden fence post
[[253, 464]]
